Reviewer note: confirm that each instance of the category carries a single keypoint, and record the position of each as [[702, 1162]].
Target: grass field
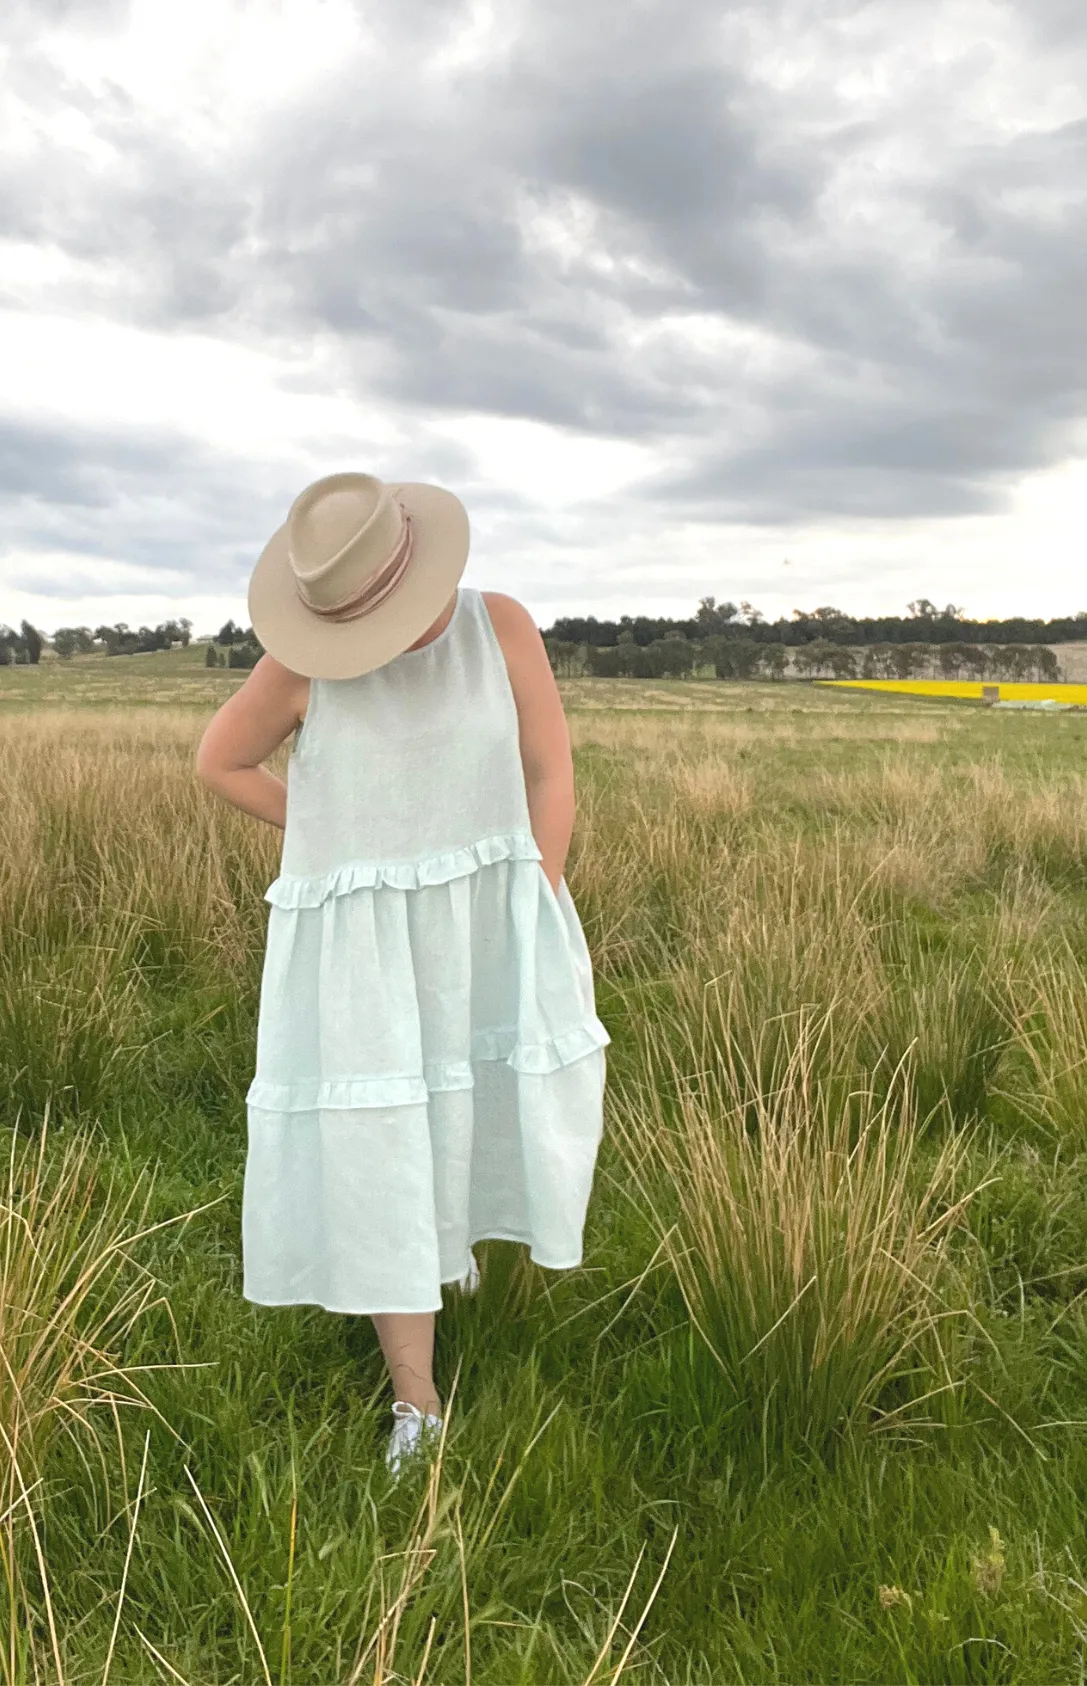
[[815, 1408]]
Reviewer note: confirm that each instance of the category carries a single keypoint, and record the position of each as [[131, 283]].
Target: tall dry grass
[[119, 873], [72, 1289], [810, 1236], [1048, 1083]]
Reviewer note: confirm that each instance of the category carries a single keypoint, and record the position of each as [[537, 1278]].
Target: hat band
[[375, 588]]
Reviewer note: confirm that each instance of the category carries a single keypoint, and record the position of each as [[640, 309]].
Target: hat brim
[[323, 649]]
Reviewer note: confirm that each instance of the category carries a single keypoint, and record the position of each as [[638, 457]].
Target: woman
[[429, 1065]]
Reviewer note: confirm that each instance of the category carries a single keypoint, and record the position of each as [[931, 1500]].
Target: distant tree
[[116, 638], [814, 658], [564, 656], [211, 657], [712, 618], [246, 649], [673, 656], [950, 660], [734, 658], [877, 662], [772, 660], [228, 633], [603, 660], [907, 660], [1026, 662], [186, 631], [15, 645], [32, 642], [842, 662], [712, 652], [72, 640], [636, 661], [829, 617]]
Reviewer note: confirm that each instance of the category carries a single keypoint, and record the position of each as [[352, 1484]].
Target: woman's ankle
[[423, 1399]]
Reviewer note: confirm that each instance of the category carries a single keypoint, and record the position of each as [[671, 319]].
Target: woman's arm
[[248, 728], [544, 735]]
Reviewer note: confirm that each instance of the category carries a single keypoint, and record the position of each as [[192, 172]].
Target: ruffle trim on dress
[[534, 1059], [293, 890]]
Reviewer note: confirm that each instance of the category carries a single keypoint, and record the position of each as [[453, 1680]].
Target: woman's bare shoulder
[[522, 645], [509, 616], [283, 683], [516, 631]]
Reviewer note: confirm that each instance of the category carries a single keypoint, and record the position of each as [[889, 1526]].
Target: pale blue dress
[[430, 1067]]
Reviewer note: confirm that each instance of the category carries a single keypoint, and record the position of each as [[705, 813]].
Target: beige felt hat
[[357, 572]]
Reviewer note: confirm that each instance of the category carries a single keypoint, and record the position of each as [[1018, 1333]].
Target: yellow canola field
[[978, 689]]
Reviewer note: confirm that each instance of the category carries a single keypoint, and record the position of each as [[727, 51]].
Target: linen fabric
[[430, 1067]]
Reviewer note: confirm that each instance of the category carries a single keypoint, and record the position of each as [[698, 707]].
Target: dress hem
[[416, 1310]]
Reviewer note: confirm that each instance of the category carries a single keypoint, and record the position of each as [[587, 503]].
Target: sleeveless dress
[[430, 1067]]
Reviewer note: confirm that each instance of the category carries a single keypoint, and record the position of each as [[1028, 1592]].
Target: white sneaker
[[411, 1429], [469, 1282]]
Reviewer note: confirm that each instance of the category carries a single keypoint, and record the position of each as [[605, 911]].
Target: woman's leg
[[407, 1340]]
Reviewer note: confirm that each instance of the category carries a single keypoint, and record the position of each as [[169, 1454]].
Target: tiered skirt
[[430, 1073]]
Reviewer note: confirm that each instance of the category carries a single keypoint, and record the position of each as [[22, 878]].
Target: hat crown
[[340, 532]]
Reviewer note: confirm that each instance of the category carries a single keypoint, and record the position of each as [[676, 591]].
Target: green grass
[[875, 883], [173, 678]]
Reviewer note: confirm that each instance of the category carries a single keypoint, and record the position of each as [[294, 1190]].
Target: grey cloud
[[877, 467], [24, 19], [387, 212], [157, 501], [165, 505], [1059, 23]]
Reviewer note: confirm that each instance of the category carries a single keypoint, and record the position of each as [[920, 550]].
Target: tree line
[[734, 640], [923, 624], [26, 645], [242, 648], [676, 657]]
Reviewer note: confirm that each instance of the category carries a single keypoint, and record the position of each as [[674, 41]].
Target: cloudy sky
[[768, 299]]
